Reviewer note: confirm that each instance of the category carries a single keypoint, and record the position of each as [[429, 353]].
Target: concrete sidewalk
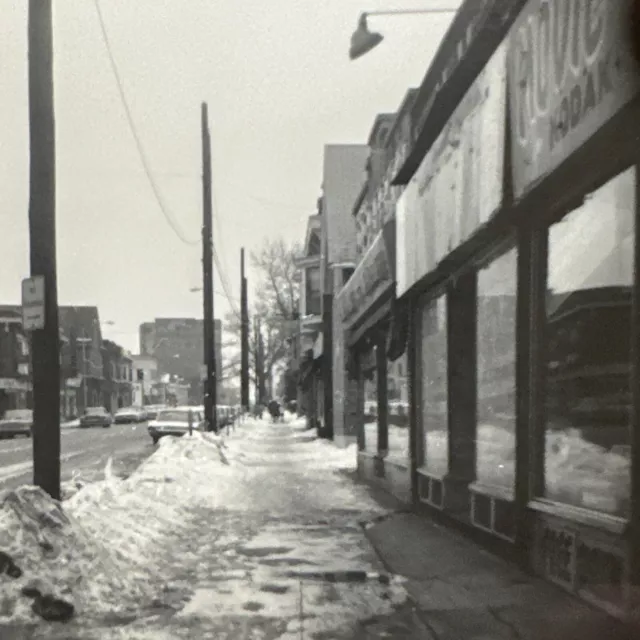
[[462, 592]]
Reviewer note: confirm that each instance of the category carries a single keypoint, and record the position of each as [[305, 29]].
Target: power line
[[143, 158]]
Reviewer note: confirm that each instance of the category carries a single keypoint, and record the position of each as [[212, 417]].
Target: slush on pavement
[[257, 534]]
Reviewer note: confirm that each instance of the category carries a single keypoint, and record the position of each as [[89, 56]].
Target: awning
[[372, 278]]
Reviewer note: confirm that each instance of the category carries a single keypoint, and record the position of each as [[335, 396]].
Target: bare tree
[[275, 305]]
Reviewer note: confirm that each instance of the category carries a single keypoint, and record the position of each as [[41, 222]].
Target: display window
[[496, 371], [434, 387], [587, 351]]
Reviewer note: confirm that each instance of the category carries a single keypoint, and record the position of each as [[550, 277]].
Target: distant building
[[147, 338], [145, 374], [118, 374], [177, 345], [14, 362]]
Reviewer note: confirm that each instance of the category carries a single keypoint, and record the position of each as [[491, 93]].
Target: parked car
[[96, 417], [152, 410], [127, 415], [175, 422], [16, 422]]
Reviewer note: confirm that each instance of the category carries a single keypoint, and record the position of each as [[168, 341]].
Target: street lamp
[[363, 40]]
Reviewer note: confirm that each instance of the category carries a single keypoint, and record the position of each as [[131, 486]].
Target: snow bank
[[98, 549]]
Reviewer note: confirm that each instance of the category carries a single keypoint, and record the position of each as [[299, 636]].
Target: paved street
[[84, 452]]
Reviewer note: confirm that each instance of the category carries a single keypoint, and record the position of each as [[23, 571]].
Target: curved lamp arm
[[363, 40]]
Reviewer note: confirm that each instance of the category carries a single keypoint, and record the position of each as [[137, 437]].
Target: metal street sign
[[203, 372], [33, 303]]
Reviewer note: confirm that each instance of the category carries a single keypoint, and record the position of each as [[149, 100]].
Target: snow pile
[[437, 451], [371, 437], [496, 450], [101, 549], [57, 557], [399, 443], [585, 474]]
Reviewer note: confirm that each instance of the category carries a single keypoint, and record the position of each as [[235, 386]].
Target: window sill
[[397, 461], [493, 491], [423, 471], [613, 524]]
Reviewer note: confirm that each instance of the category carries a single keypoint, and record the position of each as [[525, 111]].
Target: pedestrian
[[274, 410]]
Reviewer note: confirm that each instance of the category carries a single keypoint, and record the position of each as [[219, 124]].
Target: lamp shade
[[363, 40]]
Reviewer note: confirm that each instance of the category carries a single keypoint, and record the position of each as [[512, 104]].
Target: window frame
[[423, 300], [539, 239]]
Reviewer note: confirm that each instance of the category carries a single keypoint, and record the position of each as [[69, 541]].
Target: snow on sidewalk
[[254, 533]]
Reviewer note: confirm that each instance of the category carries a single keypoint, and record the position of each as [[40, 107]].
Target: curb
[[416, 613]]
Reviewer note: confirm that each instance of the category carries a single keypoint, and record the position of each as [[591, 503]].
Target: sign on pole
[[203, 372], [33, 303]]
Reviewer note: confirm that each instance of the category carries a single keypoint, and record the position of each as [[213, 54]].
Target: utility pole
[[260, 347], [210, 399], [244, 339], [42, 249], [256, 359]]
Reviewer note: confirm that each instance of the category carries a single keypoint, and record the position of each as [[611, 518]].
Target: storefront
[[366, 310], [516, 249]]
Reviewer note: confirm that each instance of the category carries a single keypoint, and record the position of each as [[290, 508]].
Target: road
[[85, 452]]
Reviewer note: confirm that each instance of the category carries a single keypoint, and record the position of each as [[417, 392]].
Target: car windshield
[[173, 416], [18, 414], [126, 410], [96, 411]]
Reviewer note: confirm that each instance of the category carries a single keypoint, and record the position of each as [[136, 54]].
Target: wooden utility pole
[[210, 387], [45, 355], [244, 338]]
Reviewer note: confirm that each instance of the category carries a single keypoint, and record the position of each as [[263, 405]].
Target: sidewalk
[[257, 536], [462, 592]]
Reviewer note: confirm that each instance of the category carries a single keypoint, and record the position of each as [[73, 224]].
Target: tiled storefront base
[[589, 562], [388, 474]]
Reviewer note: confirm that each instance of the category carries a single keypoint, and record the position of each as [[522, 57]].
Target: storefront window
[[434, 386], [398, 394], [496, 372], [371, 405], [588, 339]]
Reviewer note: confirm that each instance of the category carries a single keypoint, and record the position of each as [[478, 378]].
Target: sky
[[279, 86]]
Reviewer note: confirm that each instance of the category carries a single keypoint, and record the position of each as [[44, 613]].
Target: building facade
[[344, 169], [516, 278], [145, 373], [369, 316], [15, 386], [177, 345], [310, 321]]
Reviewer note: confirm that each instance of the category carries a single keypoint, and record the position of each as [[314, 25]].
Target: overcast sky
[[279, 85]]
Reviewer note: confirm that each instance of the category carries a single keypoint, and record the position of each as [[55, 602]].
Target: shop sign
[[370, 279], [458, 185], [570, 71], [11, 384], [464, 30], [387, 194]]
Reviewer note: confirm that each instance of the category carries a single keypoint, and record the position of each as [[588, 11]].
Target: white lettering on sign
[[570, 72], [372, 271], [33, 312]]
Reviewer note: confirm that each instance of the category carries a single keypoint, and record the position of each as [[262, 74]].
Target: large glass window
[[370, 403], [313, 293], [496, 371], [398, 409], [434, 386], [588, 339]]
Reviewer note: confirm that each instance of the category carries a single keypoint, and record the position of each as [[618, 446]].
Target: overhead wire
[[138, 142]]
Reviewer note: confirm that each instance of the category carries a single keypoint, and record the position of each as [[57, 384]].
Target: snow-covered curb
[[96, 549]]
